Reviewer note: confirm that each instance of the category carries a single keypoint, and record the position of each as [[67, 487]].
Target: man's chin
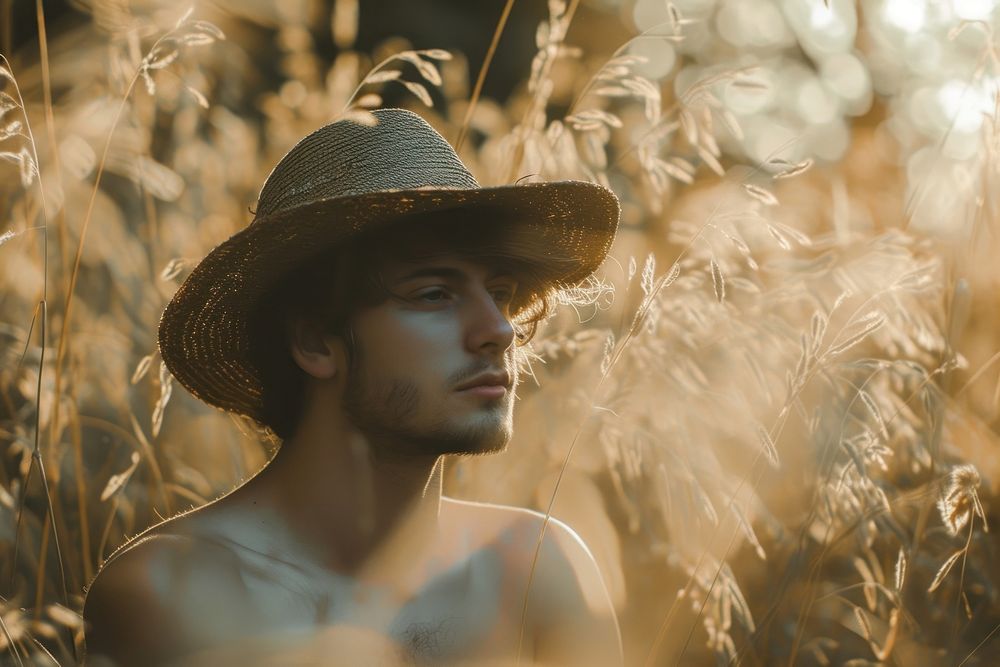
[[481, 449], [477, 441]]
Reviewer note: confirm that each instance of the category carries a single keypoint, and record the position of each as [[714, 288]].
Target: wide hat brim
[[204, 333]]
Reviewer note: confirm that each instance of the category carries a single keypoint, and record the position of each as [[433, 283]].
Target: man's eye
[[433, 296]]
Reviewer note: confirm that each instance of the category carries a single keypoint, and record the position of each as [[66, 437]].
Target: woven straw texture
[[343, 179]]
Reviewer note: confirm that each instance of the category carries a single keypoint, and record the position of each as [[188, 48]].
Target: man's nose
[[488, 324]]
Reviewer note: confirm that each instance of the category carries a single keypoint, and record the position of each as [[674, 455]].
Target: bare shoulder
[[575, 620], [521, 528], [139, 606]]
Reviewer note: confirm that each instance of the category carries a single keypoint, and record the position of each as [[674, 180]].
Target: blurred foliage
[[778, 434]]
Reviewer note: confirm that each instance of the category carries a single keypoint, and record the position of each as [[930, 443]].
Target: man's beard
[[385, 412]]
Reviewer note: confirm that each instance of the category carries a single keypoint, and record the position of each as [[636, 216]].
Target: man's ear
[[317, 353]]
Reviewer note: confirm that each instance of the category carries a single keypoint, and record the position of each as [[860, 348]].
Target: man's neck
[[354, 510]]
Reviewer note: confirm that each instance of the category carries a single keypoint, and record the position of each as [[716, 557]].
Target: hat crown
[[344, 158]]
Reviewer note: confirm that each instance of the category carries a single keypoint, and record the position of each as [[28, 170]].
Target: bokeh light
[[907, 15], [974, 10]]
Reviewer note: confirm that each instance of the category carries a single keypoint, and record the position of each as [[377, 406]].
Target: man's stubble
[[389, 412]]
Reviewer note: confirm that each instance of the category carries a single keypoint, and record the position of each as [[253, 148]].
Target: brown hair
[[330, 288]]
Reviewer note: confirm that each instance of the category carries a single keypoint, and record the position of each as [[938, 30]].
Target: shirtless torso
[[225, 585]]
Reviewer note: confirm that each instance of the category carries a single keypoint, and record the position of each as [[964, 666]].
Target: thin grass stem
[[961, 581], [27, 479], [478, 89], [980, 644], [46, 651]]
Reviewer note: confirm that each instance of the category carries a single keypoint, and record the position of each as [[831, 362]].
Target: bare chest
[[466, 612]]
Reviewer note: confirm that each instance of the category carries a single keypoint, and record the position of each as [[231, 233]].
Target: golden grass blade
[[166, 390], [817, 329], [751, 537], [435, 54], [718, 281], [870, 323], [869, 402], [646, 281], [869, 586], [944, 570], [419, 90], [900, 571], [795, 170], [764, 196], [866, 629], [382, 77], [767, 446], [426, 69], [173, 268], [481, 78], [369, 101], [118, 481], [361, 116]]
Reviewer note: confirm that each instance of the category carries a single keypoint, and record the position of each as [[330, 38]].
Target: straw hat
[[343, 179]]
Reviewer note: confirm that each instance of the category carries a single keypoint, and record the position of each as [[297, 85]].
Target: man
[[368, 317]]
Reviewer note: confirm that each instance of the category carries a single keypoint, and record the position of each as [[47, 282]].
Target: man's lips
[[486, 390], [487, 384]]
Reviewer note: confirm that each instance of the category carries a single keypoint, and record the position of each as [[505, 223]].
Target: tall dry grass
[[776, 428]]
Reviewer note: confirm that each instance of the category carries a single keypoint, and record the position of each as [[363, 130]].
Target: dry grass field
[[776, 420]]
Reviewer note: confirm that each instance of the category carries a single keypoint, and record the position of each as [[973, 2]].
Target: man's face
[[447, 325]]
